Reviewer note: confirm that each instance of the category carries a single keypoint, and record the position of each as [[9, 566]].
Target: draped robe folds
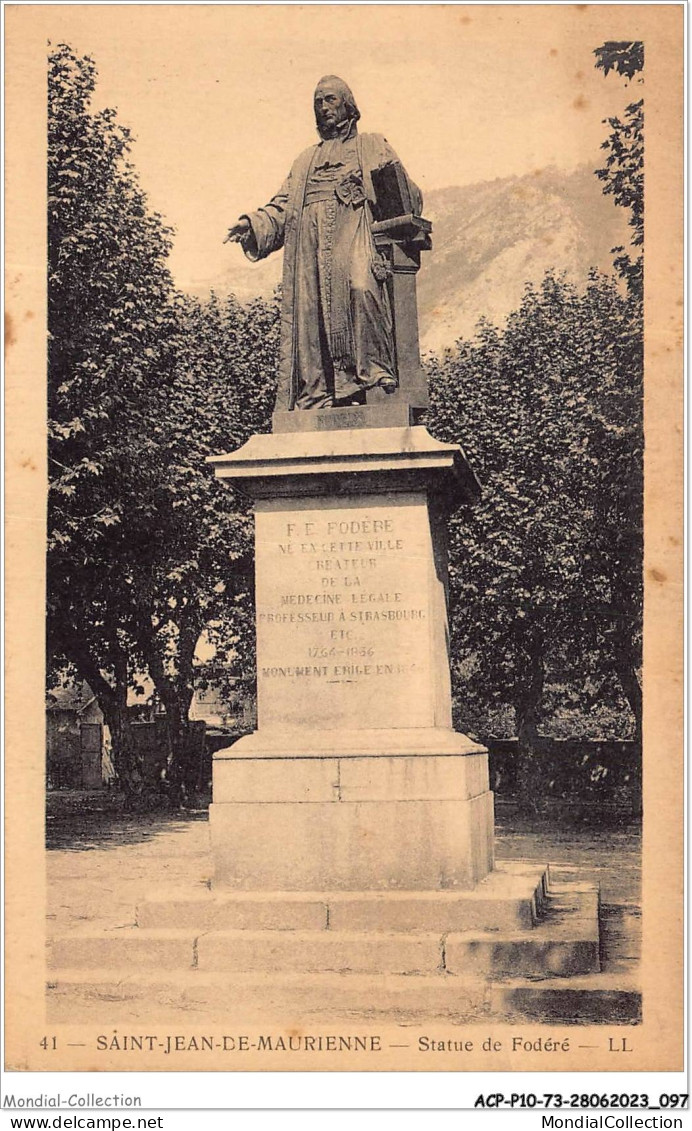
[[336, 323]]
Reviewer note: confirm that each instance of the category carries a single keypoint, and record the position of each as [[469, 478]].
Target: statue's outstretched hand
[[240, 229]]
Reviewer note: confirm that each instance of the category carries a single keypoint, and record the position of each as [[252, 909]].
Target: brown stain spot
[[579, 76], [28, 463], [657, 575], [580, 103], [294, 1032], [464, 19], [673, 540], [553, 52], [29, 315], [548, 240], [581, 7], [10, 336]]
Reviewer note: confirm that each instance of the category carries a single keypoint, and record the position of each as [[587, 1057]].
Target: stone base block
[[346, 742], [383, 778], [356, 845], [549, 950], [513, 896], [528, 957], [321, 952], [129, 946], [266, 911], [603, 998], [388, 415]]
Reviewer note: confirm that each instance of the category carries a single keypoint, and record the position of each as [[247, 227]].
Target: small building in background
[[76, 739], [225, 703]]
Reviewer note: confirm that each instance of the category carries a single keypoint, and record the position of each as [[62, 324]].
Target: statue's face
[[330, 108]]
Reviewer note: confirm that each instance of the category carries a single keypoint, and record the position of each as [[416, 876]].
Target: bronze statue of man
[[336, 323]]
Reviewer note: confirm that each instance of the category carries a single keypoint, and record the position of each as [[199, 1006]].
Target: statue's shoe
[[389, 384]]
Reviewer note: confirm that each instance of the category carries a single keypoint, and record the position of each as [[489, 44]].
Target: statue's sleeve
[[267, 226]]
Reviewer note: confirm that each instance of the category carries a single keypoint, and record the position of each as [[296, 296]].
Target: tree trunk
[[627, 675], [182, 779], [112, 700], [625, 637], [126, 760], [176, 695], [528, 695]]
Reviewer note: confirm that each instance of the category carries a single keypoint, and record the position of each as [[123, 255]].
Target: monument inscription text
[[343, 613]]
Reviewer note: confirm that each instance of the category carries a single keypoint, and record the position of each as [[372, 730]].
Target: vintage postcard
[[344, 538]]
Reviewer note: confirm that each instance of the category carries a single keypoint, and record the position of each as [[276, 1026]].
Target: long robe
[[336, 322]]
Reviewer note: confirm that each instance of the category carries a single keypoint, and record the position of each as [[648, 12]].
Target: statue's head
[[334, 104]]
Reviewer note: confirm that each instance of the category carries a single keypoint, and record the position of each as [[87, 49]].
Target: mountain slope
[[490, 239]]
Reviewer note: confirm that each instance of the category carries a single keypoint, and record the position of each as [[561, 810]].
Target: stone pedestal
[[352, 832], [354, 779]]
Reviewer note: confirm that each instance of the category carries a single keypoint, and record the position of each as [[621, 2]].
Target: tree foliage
[[625, 57], [195, 550], [545, 573], [623, 172], [146, 551], [109, 320]]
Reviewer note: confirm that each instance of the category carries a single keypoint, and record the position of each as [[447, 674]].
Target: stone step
[[564, 943], [611, 998], [513, 896], [83, 996], [123, 947], [372, 952], [202, 997]]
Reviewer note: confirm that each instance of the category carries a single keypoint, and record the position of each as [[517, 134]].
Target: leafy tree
[[195, 558], [623, 173], [545, 572], [623, 177], [110, 319], [147, 551]]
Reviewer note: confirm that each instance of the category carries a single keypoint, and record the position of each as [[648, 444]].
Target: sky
[[219, 97]]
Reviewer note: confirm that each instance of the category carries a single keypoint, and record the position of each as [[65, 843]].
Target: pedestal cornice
[[285, 464]]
